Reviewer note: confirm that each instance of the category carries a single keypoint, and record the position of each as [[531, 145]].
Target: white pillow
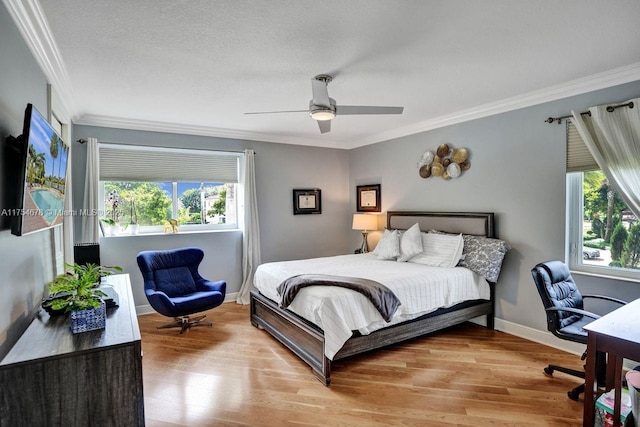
[[410, 243], [440, 250], [388, 246]]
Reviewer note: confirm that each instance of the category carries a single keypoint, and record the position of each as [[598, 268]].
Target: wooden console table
[[617, 334], [54, 378]]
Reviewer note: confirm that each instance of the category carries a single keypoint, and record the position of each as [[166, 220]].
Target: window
[[603, 233], [136, 199], [59, 243]]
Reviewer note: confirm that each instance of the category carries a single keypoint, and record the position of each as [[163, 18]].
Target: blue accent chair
[[174, 287]]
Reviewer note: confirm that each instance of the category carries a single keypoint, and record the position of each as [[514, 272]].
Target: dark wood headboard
[[478, 223]]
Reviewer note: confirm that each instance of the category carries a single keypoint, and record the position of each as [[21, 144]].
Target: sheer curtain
[[90, 217], [250, 227], [613, 138]]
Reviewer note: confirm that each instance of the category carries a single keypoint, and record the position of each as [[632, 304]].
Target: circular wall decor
[[446, 163]]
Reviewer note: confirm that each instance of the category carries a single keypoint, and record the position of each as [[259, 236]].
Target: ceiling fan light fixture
[[323, 108], [322, 114]]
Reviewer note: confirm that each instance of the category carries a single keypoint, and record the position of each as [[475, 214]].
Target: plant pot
[[88, 319], [114, 229], [133, 229]]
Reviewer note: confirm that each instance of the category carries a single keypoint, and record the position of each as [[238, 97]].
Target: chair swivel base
[[573, 394], [185, 322]]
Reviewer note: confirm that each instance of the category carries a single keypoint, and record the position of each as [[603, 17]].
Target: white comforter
[[339, 311]]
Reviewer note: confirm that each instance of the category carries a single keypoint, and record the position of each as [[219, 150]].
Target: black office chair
[[566, 316]]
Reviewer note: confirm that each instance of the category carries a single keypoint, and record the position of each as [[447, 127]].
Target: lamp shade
[[365, 222]]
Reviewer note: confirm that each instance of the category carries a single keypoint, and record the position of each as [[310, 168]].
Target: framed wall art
[[307, 201], [368, 198]]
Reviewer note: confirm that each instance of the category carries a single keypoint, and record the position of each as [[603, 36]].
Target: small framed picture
[[307, 201], [368, 198]]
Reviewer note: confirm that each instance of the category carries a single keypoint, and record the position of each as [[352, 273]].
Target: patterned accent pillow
[[410, 243], [440, 250], [388, 246], [484, 255]]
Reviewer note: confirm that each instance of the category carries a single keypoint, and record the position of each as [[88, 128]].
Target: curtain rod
[[610, 109], [82, 141]]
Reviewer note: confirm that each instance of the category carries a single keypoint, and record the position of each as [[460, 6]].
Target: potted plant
[[112, 201], [134, 218], [77, 292], [111, 226]]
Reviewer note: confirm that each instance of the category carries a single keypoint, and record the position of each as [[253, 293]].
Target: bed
[[318, 347]]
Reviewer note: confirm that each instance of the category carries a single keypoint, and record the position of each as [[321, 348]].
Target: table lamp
[[364, 222]]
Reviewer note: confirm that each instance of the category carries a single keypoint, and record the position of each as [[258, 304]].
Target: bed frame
[[306, 340]]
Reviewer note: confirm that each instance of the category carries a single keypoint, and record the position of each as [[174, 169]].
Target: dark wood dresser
[[54, 378]]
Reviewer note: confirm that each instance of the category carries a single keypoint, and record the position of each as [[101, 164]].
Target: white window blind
[[579, 159], [137, 163]]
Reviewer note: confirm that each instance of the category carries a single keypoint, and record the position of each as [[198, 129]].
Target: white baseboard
[[545, 338], [141, 310], [541, 337]]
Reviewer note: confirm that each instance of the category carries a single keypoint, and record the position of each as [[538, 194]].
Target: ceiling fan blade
[[274, 112], [363, 109], [324, 125], [320, 92]]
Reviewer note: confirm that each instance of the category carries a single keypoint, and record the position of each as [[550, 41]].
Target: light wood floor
[[233, 374]]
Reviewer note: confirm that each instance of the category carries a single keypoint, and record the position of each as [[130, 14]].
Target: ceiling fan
[[323, 109]]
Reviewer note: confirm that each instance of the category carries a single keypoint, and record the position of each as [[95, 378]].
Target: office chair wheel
[[575, 393]]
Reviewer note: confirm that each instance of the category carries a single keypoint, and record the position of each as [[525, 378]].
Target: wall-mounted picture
[[368, 198], [307, 201]]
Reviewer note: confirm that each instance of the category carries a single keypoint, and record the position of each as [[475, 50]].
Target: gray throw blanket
[[382, 298]]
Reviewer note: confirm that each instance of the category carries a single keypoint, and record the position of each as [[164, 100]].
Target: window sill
[[606, 276], [226, 230]]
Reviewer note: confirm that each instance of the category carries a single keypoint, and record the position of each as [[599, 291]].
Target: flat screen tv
[[40, 173]]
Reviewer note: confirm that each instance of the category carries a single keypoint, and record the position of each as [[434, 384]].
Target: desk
[[55, 378], [617, 334]]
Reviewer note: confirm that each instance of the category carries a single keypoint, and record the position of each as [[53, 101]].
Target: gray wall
[[279, 169], [26, 262], [517, 171]]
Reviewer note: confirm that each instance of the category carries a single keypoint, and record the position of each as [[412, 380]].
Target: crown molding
[[614, 77], [32, 24], [186, 129], [587, 84]]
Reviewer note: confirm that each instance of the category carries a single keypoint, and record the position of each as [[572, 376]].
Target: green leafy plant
[[78, 288], [618, 238], [108, 221]]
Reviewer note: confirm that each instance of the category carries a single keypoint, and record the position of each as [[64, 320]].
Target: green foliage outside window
[[191, 200], [597, 226], [191, 212], [631, 253], [152, 204], [604, 208], [618, 237], [219, 206]]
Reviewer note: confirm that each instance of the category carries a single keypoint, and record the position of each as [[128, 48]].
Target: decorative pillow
[[410, 243], [388, 246], [175, 281], [484, 255], [440, 250]]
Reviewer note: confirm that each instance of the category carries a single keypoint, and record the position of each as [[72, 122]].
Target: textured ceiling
[[203, 63]]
